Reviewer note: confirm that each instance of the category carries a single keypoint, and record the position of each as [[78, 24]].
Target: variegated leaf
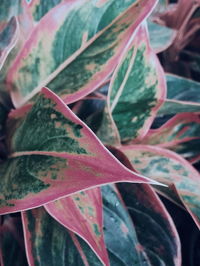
[[82, 214], [179, 129], [155, 229], [68, 156], [9, 8], [88, 53], [8, 39], [46, 239], [49, 243], [161, 37], [182, 96], [37, 9], [170, 168], [137, 89]]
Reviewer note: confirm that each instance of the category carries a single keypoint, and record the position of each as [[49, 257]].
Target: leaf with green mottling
[[37, 9], [82, 214], [49, 243], [161, 37], [171, 169], [53, 154], [8, 39], [137, 89], [83, 63], [179, 134], [154, 227], [182, 96], [9, 8], [181, 128], [46, 239]]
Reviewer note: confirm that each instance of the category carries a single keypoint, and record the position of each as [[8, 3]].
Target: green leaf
[[154, 227], [120, 236], [182, 96], [161, 37], [137, 89]]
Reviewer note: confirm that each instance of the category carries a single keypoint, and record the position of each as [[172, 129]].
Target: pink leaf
[[82, 214]]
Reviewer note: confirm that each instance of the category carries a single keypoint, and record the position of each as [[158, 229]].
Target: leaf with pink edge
[[53, 154], [171, 169], [80, 68], [154, 227], [137, 88], [8, 39], [48, 242], [182, 96], [181, 128], [179, 134], [82, 214]]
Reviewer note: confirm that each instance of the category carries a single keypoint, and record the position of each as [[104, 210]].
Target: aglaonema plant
[[80, 88]]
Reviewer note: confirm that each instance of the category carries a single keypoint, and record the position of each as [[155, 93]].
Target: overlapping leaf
[[68, 156], [8, 38], [154, 227], [171, 169], [88, 51], [101, 122], [44, 237], [182, 96], [181, 128], [137, 89], [46, 240], [120, 235], [82, 214], [161, 37]]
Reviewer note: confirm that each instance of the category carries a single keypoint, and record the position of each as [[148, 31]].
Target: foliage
[[85, 104]]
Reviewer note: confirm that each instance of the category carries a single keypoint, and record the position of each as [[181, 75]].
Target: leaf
[[37, 9], [137, 89], [8, 39], [82, 214], [181, 128], [86, 60], [49, 243], [102, 124], [46, 239], [182, 96], [9, 8], [53, 154], [171, 169], [120, 236], [12, 247], [155, 229], [179, 134], [161, 37]]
